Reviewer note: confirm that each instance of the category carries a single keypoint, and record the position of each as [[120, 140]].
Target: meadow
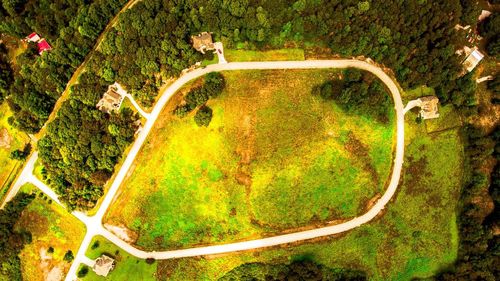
[[51, 226], [415, 237], [274, 158]]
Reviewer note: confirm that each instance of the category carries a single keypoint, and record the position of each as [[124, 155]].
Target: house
[[111, 100], [202, 42], [429, 107], [472, 60], [33, 37], [43, 46], [103, 265]]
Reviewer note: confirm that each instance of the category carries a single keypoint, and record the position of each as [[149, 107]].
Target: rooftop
[[429, 107], [202, 42], [103, 265]]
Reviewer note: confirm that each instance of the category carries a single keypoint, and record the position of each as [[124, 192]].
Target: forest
[[150, 45], [71, 28]]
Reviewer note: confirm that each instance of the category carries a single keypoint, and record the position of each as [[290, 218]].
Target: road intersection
[[94, 223]]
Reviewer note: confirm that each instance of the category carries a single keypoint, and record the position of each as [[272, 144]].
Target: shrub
[[69, 256], [214, 84], [150, 260], [50, 250], [203, 116], [83, 271], [95, 245]]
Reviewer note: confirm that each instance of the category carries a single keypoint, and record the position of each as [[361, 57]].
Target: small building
[[484, 14], [472, 60], [202, 42], [43, 46], [429, 107], [111, 100], [103, 265], [33, 37]]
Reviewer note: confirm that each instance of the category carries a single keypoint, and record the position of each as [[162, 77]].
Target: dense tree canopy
[[83, 144], [71, 27]]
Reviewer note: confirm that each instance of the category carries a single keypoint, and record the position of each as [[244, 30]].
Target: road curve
[[94, 223], [280, 239]]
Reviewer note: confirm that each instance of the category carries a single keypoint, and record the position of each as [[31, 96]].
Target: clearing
[[50, 226], [274, 158]]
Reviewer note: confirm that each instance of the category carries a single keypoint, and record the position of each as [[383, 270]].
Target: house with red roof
[[43, 46], [33, 37]]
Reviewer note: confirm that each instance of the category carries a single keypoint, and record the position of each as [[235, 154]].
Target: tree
[[83, 271], [21, 154], [68, 256], [203, 116]]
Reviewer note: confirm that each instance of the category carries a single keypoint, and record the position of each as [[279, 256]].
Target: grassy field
[[271, 55], [127, 267], [50, 226], [416, 237], [17, 140], [272, 150]]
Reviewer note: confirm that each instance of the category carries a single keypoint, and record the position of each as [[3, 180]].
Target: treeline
[[490, 30], [6, 73], [478, 255], [71, 27], [358, 91], [12, 241], [414, 38], [298, 270], [82, 145]]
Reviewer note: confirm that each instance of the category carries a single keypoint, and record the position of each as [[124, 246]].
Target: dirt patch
[[5, 138], [55, 274], [412, 175], [122, 232], [356, 148]]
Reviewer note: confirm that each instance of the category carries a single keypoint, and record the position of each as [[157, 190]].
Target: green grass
[[127, 267], [50, 226], [271, 55], [271, 150], [415, 238], [9, 167]]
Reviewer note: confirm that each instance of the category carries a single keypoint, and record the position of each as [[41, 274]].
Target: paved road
[[94, 223]]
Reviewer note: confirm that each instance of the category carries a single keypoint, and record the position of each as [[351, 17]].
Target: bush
[[203, 116], [21, 154], [50, 250], [214, 84], [196, 97], [150, 260], [95, 245], [83, 271], [69, 256]]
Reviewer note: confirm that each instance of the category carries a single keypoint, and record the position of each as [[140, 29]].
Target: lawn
[[127, 267], [10, 140], [271, 55], [50, 226], [416, 237], [271, 150]]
